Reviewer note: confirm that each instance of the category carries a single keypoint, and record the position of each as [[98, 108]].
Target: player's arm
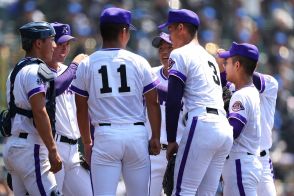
[[42, 123], [84, 124], [154, 115], [237, 125], [63, 81], [173, 107]]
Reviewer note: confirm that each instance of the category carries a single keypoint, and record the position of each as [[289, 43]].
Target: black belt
[[248, 153], [163, 146], [66, 139], [263, 153], [23, 135], [211, 110], [109, 124]]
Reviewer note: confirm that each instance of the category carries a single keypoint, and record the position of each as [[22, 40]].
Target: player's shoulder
[[270, 80], [157, 69]]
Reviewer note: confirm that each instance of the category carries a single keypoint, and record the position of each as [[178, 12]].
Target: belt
[[212, 110], [263, 153], [163, 146], [109, 124], [65, 139], [248, 153], [23, 135]]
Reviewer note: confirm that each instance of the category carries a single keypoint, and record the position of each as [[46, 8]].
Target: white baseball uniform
[[208, 137], [242, 169], [268, 97], [73, 179], [25, 155], [159, 162], [115, 80]]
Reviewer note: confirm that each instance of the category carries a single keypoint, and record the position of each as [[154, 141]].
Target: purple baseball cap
[[243, 49], [181, 16], [116, 15], [162, 37], [63, 32]]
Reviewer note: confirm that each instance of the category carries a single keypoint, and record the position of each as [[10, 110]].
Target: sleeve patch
[[171, 62], [237, 106]]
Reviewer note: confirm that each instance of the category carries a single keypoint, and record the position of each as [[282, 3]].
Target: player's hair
[[192, 29], [27, 43], [110, 31], [248, 64]]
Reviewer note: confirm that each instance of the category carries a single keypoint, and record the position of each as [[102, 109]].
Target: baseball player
[[72, 179], [30, 154], [242, 169], [208, 137], [111, 84], [268, 90], [158, 163]]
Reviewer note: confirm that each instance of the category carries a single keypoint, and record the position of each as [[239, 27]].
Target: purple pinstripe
[[38, 170], [239, 177]]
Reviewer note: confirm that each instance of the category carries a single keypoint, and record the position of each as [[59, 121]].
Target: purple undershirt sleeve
[[173, 106], [258, 81], [223, 76], [63, 81], [237, 126]]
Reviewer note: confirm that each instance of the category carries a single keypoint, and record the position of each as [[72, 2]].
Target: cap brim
[[163, 25], [65, 38], [132, 27], [156, 41], [224, 54]]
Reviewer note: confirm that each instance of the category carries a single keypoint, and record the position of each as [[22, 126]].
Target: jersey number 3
[[123, 80], [215, 76]]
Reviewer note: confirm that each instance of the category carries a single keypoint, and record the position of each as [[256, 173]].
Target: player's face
[[61, 52], [230, 69], [164, 51], [174, 35], [47, 47]]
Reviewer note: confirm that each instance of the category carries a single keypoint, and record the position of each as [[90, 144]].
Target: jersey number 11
[[123, 80]]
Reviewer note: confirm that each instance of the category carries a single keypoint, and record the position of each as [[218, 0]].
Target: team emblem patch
[[40, 81], [237, 106], [170, 63]]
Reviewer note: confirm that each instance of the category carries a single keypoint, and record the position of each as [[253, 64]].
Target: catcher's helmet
[[36, 30]]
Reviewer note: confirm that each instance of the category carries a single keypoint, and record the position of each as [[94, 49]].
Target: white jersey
[[66, 121], [115, 81], [27, 83], [200, 73], [162, 95], [268, 97], [245, 106]]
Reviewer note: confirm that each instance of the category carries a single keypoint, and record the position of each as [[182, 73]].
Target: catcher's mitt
[[168, 179], [227, 94]]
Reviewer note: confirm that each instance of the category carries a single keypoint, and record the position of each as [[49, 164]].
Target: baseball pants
[[205, 144], [120, 149], [73, 179], [241, 174], [158, 166], [266, 186], [29, 166]]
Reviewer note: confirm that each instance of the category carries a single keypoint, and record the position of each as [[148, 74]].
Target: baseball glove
[[168, 178], [227, 94]]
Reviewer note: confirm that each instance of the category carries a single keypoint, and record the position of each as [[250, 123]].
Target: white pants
[[241, 174], [73, 179], [29, 166], [205, 144], [158, 166], [266, 186], [120, 149]]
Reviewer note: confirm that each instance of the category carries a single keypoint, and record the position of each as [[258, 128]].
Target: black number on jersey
[[123, 80], [215, 76]]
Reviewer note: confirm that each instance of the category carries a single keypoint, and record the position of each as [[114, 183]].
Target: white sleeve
[[177, 66], [238, 108], [79, 83], [150, 79]]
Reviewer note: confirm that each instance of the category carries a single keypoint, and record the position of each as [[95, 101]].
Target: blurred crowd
[[265, 23]]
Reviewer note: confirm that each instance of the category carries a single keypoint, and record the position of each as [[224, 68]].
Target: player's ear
[[180, 26]]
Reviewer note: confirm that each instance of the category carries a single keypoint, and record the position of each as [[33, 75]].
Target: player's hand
[[79, 58], [87, 153], [154, 146], [172, 148], [220, 61], [55, 161]]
